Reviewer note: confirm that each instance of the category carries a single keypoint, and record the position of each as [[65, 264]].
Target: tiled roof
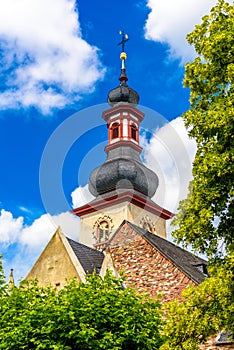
[[90, 259], [190, 264]]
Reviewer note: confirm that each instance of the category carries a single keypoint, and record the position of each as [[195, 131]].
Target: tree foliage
[[2, 277], [206, 217], [204, 312], [99, 314]]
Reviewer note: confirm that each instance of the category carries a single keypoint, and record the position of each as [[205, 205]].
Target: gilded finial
[[123, 54]]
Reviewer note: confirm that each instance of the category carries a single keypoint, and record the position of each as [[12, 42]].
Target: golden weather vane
[[124, 39]]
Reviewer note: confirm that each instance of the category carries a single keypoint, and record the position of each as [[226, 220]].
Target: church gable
[[123, 236], [146, 267], [56, 263]]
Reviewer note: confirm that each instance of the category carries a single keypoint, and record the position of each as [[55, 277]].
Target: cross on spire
[[124, 39]]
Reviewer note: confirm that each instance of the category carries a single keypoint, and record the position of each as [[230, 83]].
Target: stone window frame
[[147, 224], [96, 233], [134, 131], [115, 130]]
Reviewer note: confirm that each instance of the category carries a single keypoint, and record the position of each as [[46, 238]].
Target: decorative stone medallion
[[102, 228], [147, 224]]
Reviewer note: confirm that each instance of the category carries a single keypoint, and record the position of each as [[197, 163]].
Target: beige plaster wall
[[54, 265], [136, 214], [118, 213]]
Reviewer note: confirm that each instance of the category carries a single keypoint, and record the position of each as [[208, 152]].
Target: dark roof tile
[[90, 259]]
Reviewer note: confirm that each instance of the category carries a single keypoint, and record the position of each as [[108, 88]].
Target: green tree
[[99, 314], [206, 217], [204, 311], [2, 277]]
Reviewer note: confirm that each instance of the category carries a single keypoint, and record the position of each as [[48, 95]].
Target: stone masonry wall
[[149, 271], [146, 268]]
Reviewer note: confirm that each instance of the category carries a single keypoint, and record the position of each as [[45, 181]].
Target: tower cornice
[[127, 196], [122, 143], [121, 108]]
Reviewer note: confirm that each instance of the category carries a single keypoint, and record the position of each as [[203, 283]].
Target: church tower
[[123, 186]]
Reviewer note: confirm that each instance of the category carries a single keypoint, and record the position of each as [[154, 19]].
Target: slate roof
[[90, 259], [193, 266]]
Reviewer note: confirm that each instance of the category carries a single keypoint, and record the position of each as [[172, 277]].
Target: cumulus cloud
[[170, 153], [45, 61], [170, 21], [41, 230], [24, 243], [81, 196], [10, 227]]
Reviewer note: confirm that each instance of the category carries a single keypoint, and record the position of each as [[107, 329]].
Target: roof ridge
[[83, 245], [187, 266], [144, 232]]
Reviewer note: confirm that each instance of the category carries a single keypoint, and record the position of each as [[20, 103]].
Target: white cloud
[[170, 154], [26, 242], [38, 234], [45, 59], [41, 230], [170, 21], [10, 227], [69, 223], [81, 196]]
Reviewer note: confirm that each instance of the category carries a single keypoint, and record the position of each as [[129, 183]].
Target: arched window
[[148, 227], [103, 231], [147, 224], [115, 130], [133, 132]]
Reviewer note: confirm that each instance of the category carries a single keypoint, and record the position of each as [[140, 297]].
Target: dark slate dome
[[123, 173], [123, 93]]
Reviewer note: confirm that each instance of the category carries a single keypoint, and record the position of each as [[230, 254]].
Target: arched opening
[[115, 130], [148, 226], [133, 132], [103, 231]]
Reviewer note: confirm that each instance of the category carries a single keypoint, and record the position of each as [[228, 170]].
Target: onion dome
[[123, 93], [123, 173]]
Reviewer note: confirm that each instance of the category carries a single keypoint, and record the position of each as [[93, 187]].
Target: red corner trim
[[123, 143]]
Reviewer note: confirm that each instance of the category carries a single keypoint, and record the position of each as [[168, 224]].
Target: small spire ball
[[123, 55]]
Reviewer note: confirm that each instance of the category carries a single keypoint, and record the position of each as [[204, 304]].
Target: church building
[[122, 229]]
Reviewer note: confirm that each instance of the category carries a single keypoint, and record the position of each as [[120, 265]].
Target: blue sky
[[59, 59]]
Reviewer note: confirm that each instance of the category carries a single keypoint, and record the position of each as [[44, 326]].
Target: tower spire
[[123, 56], [123, 169], [122, 186], [11, 280], [123, 93]]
